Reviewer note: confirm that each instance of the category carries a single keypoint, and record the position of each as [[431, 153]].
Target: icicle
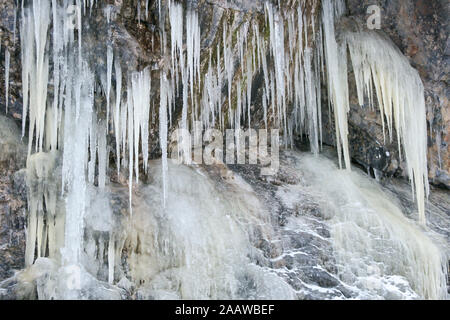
[[102, 153], [7, 58], [117, 113], [146, 9], [42, 207], [398, 87], [227, 65], [78, 107], [291, 35], [107, 13], [165, 93], [176, 35], [130, 142], [123, 129], [57, 59], [193, 50], [35, 22], [319, 69], [264, 101], [79, 25], [438, 145], [111, 256], [337, 80], [238, 106], [311, 102], [140, 94], [249, 88], [93, 146], [272, 92], [109, 65], [219, 88], [277, 44], [400, 94], [15, 24]]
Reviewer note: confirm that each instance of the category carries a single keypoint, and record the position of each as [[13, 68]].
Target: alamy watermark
[[234, 146], [73, 277], [374, 19]]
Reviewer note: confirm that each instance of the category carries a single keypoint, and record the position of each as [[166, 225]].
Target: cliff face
[[12, 198], [418, 27]]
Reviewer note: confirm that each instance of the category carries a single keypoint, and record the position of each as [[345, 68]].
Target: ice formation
[[165, 102], [78, 105], [290, 51], [109, 66], [277, 45], [45, 228], [35, 69], [293, 78], [119, 119], [138, 115], [337, 77], [379, 65], [176, 36], [401, 100]]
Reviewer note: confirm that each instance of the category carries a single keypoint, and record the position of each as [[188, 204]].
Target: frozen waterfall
[[194, 231]]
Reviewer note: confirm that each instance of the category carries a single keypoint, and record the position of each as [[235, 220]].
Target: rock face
[[12, 198], [418, 27], [420, 30]]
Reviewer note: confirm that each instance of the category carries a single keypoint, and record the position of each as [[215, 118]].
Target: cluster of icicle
[[68, 120], [291, 75], [380, 69], [294, 79], [65, 122]]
